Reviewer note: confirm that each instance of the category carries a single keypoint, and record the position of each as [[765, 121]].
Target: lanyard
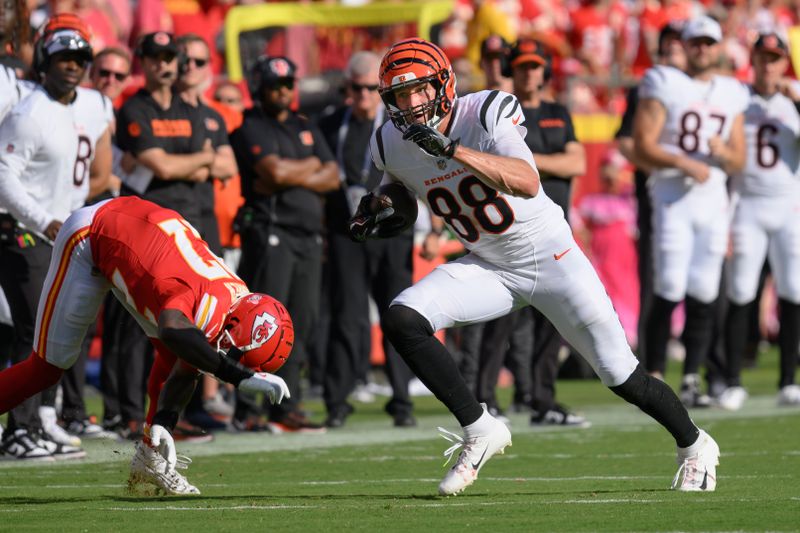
[[342, 136]]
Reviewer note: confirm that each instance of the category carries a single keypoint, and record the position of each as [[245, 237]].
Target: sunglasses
[[357, 87], [105, 73], [284, 82], [199, 63]]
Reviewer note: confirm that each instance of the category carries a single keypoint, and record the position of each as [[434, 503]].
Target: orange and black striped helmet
[[411, 62], [62, 32]]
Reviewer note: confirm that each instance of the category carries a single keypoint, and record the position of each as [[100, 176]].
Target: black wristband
[[231, 371], [168, 419]]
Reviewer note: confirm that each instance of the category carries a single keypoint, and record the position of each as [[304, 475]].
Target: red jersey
[[158, 261]]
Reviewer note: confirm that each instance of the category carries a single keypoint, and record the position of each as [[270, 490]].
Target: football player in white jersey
[[766, 221], [466, 158], [37, 165], [689, 128], [94, 119]]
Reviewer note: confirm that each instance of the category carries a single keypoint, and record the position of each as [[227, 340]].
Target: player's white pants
[[690, 237], [567, 290], [72, 294], [765, 226]]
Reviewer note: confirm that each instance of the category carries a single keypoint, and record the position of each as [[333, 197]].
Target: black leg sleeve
[[658, 333], [658, 400], [737, 323], [698, 333], [789, 340], [412, 337]]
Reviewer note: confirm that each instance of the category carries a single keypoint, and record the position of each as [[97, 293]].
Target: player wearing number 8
[[467, 159], [190, 305], [766, 221], [689, 127]]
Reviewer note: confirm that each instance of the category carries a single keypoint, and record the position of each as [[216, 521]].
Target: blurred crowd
[[335, 290]]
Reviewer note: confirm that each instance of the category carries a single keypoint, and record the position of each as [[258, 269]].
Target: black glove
[[431, 140], [371, 210]]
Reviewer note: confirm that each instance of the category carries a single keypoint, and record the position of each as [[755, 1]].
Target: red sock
[[23, 380]]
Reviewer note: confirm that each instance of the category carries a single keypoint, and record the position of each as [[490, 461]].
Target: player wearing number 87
[[188, 302], [468, 161], [689, 127]]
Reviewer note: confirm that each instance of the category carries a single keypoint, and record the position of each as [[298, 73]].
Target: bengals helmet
[[411, 62], [62, 32], [258, 333]]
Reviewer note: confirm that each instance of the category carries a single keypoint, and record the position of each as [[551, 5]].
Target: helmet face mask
[[406, 66]]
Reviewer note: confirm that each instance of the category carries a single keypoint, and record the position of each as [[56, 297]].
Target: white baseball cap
[[702, 27]]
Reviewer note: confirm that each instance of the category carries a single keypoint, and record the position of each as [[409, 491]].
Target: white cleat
[[148, 466], [732, 398], [698, 471], [477, 449], [789, 395]]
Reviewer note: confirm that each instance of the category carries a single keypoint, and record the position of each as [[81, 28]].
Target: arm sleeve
[[24, 139]]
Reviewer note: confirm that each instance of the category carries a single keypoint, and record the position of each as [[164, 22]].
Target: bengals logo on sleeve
[[134, 129], [306, 138]]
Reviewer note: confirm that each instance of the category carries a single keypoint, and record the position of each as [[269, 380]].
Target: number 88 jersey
[[697, 110], [498, 227], [772, 131]]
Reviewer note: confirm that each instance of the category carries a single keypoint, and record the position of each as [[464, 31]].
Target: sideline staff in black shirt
[[164, 133], [285, 167]]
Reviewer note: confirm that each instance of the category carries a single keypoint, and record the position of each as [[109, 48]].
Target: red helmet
[[62, 32], [414, 61], [258, 332]]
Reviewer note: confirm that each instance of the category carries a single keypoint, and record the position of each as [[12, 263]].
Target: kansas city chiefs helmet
[[258, 333]]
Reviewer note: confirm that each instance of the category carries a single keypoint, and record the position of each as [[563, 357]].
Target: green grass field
[[370, 476]]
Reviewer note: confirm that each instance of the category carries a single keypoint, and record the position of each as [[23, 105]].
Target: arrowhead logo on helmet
[[264, 327]]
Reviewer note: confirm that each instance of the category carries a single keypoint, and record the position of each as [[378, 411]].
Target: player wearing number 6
[[467, 159], [689, 127], [766, 221], [187, 301]]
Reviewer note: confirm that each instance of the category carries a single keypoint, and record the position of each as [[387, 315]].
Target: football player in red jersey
[[188, 302]]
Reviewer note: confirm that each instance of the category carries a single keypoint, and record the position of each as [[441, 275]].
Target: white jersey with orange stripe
[[94, 114], [696, 111], [37, 160], [498, 227], [772, 130]]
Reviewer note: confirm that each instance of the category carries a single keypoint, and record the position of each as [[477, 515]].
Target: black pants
[[544, 364], [496, 347], [125, 366], [644, 248], [22, 275], [72, 384], [286, 264], [464, 344], [381, 268]]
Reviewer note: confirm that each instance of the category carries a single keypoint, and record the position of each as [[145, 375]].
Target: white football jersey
[[498, 227], [12, 90], [772, 127], [696, 111], [93, 115], [38, 147]]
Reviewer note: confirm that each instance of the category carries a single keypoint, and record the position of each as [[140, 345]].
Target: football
[[401, 208]]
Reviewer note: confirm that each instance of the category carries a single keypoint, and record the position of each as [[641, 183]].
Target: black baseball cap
[[527, 50], [153, 44], [670, 30], [494, 45], [771, 42], [269, 70]]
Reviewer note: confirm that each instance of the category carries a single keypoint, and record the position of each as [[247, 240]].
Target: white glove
[[273, 386], [162, 441]]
